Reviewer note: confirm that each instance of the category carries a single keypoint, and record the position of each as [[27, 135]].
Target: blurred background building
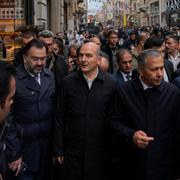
[[56, 15], [153, 12]]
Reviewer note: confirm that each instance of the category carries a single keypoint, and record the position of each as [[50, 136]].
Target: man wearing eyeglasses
[[32, 115]]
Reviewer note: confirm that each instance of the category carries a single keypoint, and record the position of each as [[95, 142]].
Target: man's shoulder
[[109, 77], [131, 86], [171, 86], [47, 72], [71, 77], [116, 75], [60, 57], [109, 81], [105, 47]]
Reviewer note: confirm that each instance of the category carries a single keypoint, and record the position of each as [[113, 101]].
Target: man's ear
[[140, 69], [99, 59], [24, 58]]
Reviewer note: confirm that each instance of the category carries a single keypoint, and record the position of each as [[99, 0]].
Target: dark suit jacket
[[118, 77], [176, 74], [169, 69], [176, 81], [158, 116]]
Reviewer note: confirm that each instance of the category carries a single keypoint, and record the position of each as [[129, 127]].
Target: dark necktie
[[128, 77]]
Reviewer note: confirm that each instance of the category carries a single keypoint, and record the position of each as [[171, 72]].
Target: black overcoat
[[158, 116], [82, 126]]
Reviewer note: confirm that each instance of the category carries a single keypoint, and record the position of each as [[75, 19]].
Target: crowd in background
[[80, 109]]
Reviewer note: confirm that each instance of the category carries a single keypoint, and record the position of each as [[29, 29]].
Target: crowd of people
[[92, 107]]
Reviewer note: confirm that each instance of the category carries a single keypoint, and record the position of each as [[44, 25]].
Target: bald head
[[89, 59], [92, 47], [96, 40]]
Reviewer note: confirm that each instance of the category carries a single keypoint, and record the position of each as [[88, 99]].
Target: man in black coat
[[148, 124], [81, 130], [55, 63], [7, 90]]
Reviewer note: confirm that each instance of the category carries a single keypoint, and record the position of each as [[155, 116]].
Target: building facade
[[155, 12], [55, 15]]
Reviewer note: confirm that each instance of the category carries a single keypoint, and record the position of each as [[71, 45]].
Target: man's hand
[[59, 159], [141, 139], [16, 166]]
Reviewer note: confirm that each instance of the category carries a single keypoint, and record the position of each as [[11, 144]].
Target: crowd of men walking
[[92, 107]]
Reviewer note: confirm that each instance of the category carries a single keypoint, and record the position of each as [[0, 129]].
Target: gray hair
[[98, 51], [145, 54], [46, 33], [103, 54], [120, 53]]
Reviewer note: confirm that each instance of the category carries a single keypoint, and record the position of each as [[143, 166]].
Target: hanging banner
[[124, 20]]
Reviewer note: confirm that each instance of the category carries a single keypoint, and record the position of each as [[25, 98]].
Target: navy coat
[[33, 114], [177, 81], [118, 77], [158, 116]]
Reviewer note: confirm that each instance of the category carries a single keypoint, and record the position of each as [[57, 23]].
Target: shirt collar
[[125, 74], [176, 57], [32, 75], [97, 71], [145, 86]]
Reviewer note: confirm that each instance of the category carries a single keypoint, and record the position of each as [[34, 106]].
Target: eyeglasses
[[126, 62], [35, 59]]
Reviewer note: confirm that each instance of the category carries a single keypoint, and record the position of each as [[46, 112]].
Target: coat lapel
[[29, 82]]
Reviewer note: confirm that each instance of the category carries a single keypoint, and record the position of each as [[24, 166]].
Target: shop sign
[[173, 5]]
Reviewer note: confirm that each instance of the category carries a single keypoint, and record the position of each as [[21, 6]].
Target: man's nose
[[82, 58], [40, 62], [160, 72]]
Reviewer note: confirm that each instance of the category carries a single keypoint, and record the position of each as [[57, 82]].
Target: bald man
[[81, 128], [104, 64]]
